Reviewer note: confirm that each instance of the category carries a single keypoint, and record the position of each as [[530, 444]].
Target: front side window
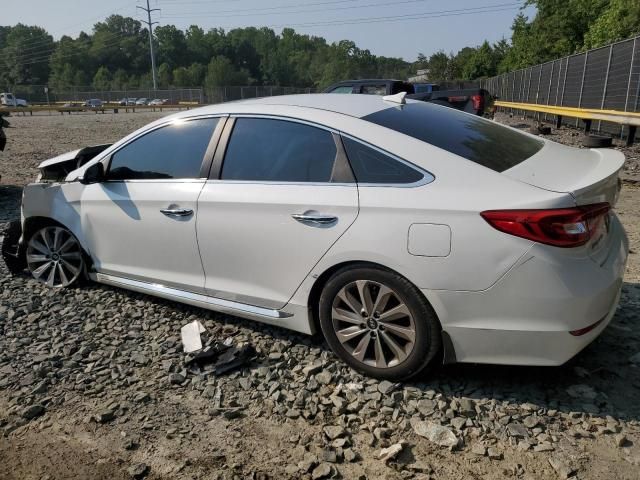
[[372, 166], [174, 151], [262, 149]]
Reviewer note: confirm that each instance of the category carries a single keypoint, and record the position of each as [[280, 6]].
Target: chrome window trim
[[427, 177]]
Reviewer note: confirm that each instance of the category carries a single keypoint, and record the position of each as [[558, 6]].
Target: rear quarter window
[[477, 139]]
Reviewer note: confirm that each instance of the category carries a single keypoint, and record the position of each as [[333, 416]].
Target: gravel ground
[[93, 382]]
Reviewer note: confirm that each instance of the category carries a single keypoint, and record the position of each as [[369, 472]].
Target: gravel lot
[[93, 382]]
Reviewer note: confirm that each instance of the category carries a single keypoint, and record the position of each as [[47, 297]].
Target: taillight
[[562, 227], [477, 101]]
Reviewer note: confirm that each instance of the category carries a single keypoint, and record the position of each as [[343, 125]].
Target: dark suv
[[371, 87]]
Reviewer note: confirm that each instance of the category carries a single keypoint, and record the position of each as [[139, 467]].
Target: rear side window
[[474, 138], [262, 149], [372, 166], [174, 151]]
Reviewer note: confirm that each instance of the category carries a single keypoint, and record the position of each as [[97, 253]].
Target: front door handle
[[314, 218], [176, 212]]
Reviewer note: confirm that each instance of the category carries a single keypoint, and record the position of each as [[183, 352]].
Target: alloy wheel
[[54, 257], [373, 324]]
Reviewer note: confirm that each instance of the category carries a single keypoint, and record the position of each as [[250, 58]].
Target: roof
[[357, 106]]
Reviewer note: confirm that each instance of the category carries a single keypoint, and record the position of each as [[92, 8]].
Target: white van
[[10, 100]]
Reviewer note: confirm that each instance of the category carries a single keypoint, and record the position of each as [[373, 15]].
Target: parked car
[[476, 101], [159, 101], [142, 101], [93, 103], [10, 100], [127, 101], [407, 236]]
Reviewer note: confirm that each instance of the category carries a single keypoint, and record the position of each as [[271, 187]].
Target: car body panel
[[500, 298], [157, 247], [246, 233]]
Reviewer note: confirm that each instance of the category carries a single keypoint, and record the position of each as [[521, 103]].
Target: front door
[[283, 196], [141, 222]]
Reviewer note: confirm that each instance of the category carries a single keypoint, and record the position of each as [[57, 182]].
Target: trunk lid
[[589, 175]]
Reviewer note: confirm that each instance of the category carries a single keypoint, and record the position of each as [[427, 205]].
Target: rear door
[[279, 197]]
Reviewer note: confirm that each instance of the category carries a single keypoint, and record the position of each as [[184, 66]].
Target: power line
[[150, 25], [252, 14]]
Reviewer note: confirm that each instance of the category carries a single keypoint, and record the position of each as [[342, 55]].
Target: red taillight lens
[[477, 101], [563, 227]]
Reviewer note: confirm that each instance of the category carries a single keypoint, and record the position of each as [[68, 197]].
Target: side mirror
[[93, 174]]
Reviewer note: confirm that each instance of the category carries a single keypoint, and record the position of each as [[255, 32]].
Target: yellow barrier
[[631, 119]]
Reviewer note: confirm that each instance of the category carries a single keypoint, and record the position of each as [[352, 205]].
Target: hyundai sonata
[[407, 233]]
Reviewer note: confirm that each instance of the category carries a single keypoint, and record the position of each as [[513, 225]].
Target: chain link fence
[[603, 78], [40, 94]]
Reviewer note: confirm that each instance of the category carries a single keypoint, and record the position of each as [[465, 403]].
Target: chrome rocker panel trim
[[265, 315]]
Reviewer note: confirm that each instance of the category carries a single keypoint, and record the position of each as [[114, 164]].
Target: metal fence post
[[584, 71], [606, 84], [626, 99]]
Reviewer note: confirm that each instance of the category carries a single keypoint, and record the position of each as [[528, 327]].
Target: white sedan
[[407, 233]]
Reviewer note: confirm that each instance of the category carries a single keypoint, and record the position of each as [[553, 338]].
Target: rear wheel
[[54, 257], [379, 323]]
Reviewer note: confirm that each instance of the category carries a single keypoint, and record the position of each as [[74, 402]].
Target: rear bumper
[[526, 317]]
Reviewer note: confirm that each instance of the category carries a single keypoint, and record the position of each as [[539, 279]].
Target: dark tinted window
[[479, 140], [174, 151], [277, 150], [372, 166]]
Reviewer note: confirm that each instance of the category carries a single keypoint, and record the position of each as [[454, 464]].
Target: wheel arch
[[32, 224], [313, 302]]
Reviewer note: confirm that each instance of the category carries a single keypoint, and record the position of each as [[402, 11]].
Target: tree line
[[115, 55], [559, 28]]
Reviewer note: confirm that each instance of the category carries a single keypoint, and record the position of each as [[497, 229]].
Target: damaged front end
[[57, 168]]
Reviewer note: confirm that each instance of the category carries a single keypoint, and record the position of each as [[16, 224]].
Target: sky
[[395, 28]]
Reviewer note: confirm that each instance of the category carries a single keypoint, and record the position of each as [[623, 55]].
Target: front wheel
[[379, 323], [54, 257]]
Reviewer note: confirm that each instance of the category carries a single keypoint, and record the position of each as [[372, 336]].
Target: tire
[[403, 354], [55, 257], [597, 141], [11, 253]]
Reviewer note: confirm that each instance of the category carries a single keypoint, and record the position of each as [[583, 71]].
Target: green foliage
[[116, 53]]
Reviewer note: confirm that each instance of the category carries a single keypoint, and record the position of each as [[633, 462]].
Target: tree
[[439, 65], [221, 72], [172, 46], [620, 20], [23, 55], [165, 77], [102, 79]]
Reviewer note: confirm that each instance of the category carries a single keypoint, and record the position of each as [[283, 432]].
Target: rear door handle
[[314, 218], [176, 212]]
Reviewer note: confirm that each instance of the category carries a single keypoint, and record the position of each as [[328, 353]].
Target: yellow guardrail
[[631, 119]]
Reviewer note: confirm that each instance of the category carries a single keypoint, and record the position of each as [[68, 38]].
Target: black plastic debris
[[219, 359]]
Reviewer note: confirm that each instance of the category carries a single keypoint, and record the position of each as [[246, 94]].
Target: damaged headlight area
[[57, 168]]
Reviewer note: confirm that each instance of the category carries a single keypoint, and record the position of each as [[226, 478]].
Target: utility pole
[[150, 24]]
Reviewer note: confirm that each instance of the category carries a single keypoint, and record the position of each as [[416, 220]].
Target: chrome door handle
[[176, 212], [314, 218]]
